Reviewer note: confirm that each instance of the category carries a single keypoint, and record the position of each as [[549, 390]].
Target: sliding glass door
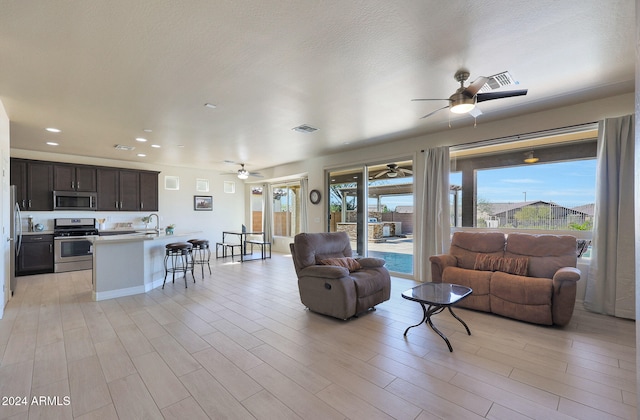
[[376, 213]]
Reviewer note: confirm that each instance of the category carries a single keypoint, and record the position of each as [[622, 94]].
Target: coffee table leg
[[461, 321], [424, 316], [437, 310]]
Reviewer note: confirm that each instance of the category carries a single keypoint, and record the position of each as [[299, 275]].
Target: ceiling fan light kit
[[464, 99], [243, 173]]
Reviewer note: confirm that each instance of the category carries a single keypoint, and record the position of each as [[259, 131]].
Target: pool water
[[400, 263]]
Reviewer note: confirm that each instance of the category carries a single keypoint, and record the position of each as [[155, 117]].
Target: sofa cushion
[[524, 298], [347, 262], [478, 281], [485, 262], [546, 253], [466, 245]]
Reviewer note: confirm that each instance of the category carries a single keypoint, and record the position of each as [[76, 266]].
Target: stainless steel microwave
[[74, 200]]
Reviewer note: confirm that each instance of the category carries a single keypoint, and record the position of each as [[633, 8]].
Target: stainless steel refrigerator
[[16, 237]]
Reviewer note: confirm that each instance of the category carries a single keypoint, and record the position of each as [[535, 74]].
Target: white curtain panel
[[267, 191], [435, 229], [304, 200], [610, 285]]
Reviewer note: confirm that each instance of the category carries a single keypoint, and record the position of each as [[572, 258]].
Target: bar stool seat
[[200, 254], [177, 260]]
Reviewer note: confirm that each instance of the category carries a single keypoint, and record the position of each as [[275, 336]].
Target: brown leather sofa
[[333, 283], [543, 291]]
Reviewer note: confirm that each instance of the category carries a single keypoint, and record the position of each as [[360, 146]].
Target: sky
[[569, 184]]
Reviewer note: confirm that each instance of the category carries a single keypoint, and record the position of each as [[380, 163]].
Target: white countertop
[[144, 236]]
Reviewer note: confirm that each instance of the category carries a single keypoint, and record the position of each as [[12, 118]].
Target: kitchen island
[[132, 263]]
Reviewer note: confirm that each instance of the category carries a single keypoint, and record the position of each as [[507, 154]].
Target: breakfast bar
[[131, 263]]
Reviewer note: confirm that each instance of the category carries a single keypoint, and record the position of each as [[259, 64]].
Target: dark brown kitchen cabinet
[[108, 189], [74, 178], [35, 256], [149, 191], [34, 184], [127, 190]]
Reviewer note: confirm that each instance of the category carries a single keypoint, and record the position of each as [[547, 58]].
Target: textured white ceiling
[[102, 71]]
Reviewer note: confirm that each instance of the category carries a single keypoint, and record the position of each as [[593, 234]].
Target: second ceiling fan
[[464, 99]]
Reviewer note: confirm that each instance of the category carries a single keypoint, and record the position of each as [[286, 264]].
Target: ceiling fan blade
[[432, 99], [431, 113], [481, 97], [378, 175], [474, 87], [407, 171]]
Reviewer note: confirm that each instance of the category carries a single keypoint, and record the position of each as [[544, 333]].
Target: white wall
[[175, 207]]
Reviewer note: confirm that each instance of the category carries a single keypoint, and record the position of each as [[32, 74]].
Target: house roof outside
[[501, 209]]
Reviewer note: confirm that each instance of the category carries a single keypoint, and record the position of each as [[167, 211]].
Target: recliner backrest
[[546, 253], [465, 246], [310, 248]]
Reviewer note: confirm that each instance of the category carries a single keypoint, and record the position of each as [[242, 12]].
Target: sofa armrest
[[566, 274], [324, 271], [371, 262], [564, 294], [439, 263]]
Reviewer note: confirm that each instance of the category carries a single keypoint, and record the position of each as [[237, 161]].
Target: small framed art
[[202, 202]]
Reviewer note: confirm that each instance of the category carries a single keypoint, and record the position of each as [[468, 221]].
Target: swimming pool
[[400, 263]]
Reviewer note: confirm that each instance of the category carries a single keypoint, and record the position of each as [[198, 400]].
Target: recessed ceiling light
[[208, 105], [141, 139], [156, 146], [141, 155], [53, 130], [52, 143], [147, 130]]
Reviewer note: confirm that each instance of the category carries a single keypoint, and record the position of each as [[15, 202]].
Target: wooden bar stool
[[200, 254], [177, 259]]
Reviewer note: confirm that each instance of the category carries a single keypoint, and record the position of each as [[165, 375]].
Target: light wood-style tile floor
[[240, 345]]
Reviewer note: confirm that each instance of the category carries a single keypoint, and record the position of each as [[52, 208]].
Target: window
[[545, 182], [374, 205], [286, 210]]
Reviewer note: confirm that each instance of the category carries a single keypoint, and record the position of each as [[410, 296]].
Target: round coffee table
[[437, 296]]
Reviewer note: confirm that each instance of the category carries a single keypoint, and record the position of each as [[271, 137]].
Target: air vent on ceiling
[[497, 81], [123, 147], [304, 128]]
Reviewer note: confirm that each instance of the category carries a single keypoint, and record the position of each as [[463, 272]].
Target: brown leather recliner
[[335, 290]]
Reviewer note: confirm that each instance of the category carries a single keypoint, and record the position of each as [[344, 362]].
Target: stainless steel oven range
[[72, 250]]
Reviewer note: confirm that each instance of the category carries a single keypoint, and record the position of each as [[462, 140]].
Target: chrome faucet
[[157, 229]]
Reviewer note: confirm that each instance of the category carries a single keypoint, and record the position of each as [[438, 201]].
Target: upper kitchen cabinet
[[34, 184], [69, 177], [127, 190], [149, 191]]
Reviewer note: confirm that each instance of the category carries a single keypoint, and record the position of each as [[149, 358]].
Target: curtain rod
[[526, 136]]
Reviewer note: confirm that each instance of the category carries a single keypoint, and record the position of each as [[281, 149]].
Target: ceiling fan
[[244, 174], [394, 171], [464, 99]]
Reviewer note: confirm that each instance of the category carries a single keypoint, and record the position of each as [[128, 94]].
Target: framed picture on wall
[[202, 203]]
